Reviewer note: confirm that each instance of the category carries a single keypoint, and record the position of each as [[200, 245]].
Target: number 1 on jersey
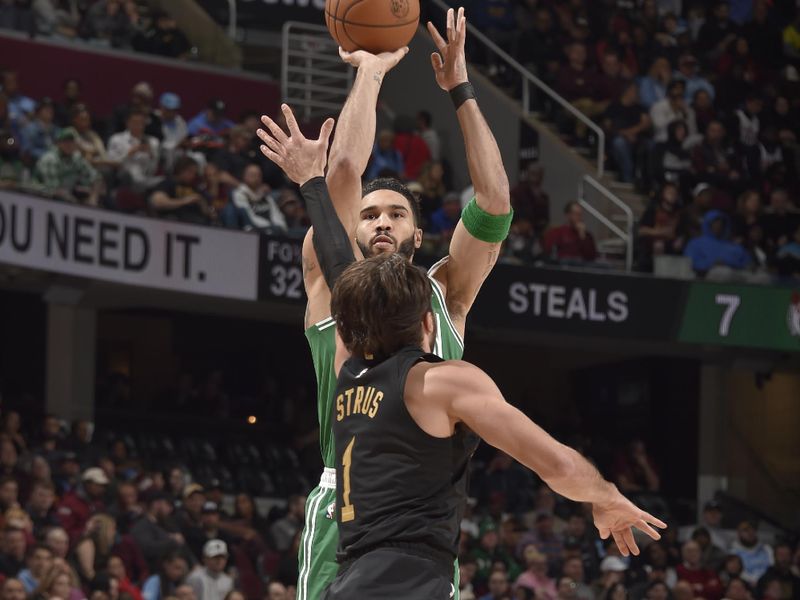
[[348, 510]]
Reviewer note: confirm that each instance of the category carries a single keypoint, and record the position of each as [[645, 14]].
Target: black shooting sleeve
[[331, 242]]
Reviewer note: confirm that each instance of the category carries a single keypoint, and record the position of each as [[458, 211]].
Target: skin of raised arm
[[355, 132], [471, 260]]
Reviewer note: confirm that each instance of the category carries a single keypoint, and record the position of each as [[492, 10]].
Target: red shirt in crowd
[[415, 153], [74, 511], [705, 582], [564, 243]]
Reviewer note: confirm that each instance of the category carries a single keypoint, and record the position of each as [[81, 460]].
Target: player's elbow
[[496, 197], [342, 169], [562, 466]]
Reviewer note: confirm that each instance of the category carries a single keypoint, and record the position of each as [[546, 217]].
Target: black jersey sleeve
[[331, 243]]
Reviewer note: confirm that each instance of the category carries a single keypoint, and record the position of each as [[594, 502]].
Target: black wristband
[[461, 93]]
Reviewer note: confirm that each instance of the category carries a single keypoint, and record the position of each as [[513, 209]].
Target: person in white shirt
[[135, 153], [258, 210], [674, 108], [173, 128], [210, 582]]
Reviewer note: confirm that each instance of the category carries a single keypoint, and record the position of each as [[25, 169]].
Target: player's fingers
[[451, 25], [271, 155], [460, 18], [274, 129], [627, 535], [294, 130], [346, 56], [325, 131], [462, 28], [398, 55], [643, 526], [436, 61], [604, 533], [653, 521], [437, 38], [271, 142], [623, 547]]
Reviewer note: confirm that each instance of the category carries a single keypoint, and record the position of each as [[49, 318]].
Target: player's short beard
[[405, 248]]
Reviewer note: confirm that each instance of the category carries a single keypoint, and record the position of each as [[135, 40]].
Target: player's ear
[[417, 238], [428, 323]]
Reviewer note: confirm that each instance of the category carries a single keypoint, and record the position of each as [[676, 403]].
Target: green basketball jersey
[[322, 340]]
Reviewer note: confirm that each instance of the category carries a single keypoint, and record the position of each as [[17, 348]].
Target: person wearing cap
[[210, 521], [293, 211], [173, 127], [39, 134], [212, 121], [189, 516], [63, 172], [756, 556], [153, 532], [688, 71], [141, 100], [78, 505], [209, 581]]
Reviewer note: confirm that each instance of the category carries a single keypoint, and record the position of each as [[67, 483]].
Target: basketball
[[372, 25]]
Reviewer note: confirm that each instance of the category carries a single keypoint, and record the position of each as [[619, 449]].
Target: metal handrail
[[627, 235], [232, 17], [529, 78]]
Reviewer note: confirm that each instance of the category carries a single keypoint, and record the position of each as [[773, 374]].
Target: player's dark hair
[[379, 303], [395, 185]]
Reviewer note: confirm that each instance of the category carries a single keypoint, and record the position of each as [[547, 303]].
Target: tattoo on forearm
[[491, 259], [378, 76]]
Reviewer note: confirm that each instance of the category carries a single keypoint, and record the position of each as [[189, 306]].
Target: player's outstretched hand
[[381, 63], [616, 518], [300, 158], [450, 62]]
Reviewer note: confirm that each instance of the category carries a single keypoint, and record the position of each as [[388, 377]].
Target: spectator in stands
[[499, 587], [76, 507], [126, 508], [41, 508], [164, 38], [135, 154], [63, 172], [715, 161], [386, 159], [171, 574], [713, 249], [712, 556], [232, 160], [653, 87], [738, 589], [756, 556], [717, 33], [704, 110], [748, 216], [116, 568], [662, 227], [612, 80], [673, 108], [111, 23], [89, 142], [72, 98], [20, 107], [634, 469], [433, 188], [141, 100], [54, 19], [671, 161], [704, 582], [13, 589], [578, 84], [788, 257], [254, 208], [58, 583], [9, 493], [444, 220], [429, 134], [40, 561], [530, 202], [57, 540], [411, 146], [188, 517], [571, 241], [179, 197], [152, 532], [11, 166], [284, 529], [211, 122], [173, 128], [293, 211], [572, 567], [38, 134], [535, 576], [781, 572], [276, 591], [14, 551], [625, 122], [212, 528], [209, 581], [689, 72]]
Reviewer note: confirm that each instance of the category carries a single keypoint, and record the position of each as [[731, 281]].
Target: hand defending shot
[[300, 158], [616, 518], [450, 62]]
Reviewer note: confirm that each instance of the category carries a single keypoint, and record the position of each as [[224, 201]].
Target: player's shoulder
[[446, 375]]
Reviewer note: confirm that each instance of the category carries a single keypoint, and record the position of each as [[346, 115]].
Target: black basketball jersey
[[395, 483]]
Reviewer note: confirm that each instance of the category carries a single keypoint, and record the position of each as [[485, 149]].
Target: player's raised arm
[[355, 132], [471, 397], [485, 221]]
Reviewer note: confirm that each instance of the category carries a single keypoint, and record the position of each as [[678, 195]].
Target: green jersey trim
[[440, 296]]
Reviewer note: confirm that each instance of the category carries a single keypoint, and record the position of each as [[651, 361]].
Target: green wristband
[[483, 226]]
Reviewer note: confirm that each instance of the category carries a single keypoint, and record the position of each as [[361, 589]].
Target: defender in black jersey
[[403, 423]]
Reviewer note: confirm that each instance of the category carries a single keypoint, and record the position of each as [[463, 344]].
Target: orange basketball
[[372, 25]]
